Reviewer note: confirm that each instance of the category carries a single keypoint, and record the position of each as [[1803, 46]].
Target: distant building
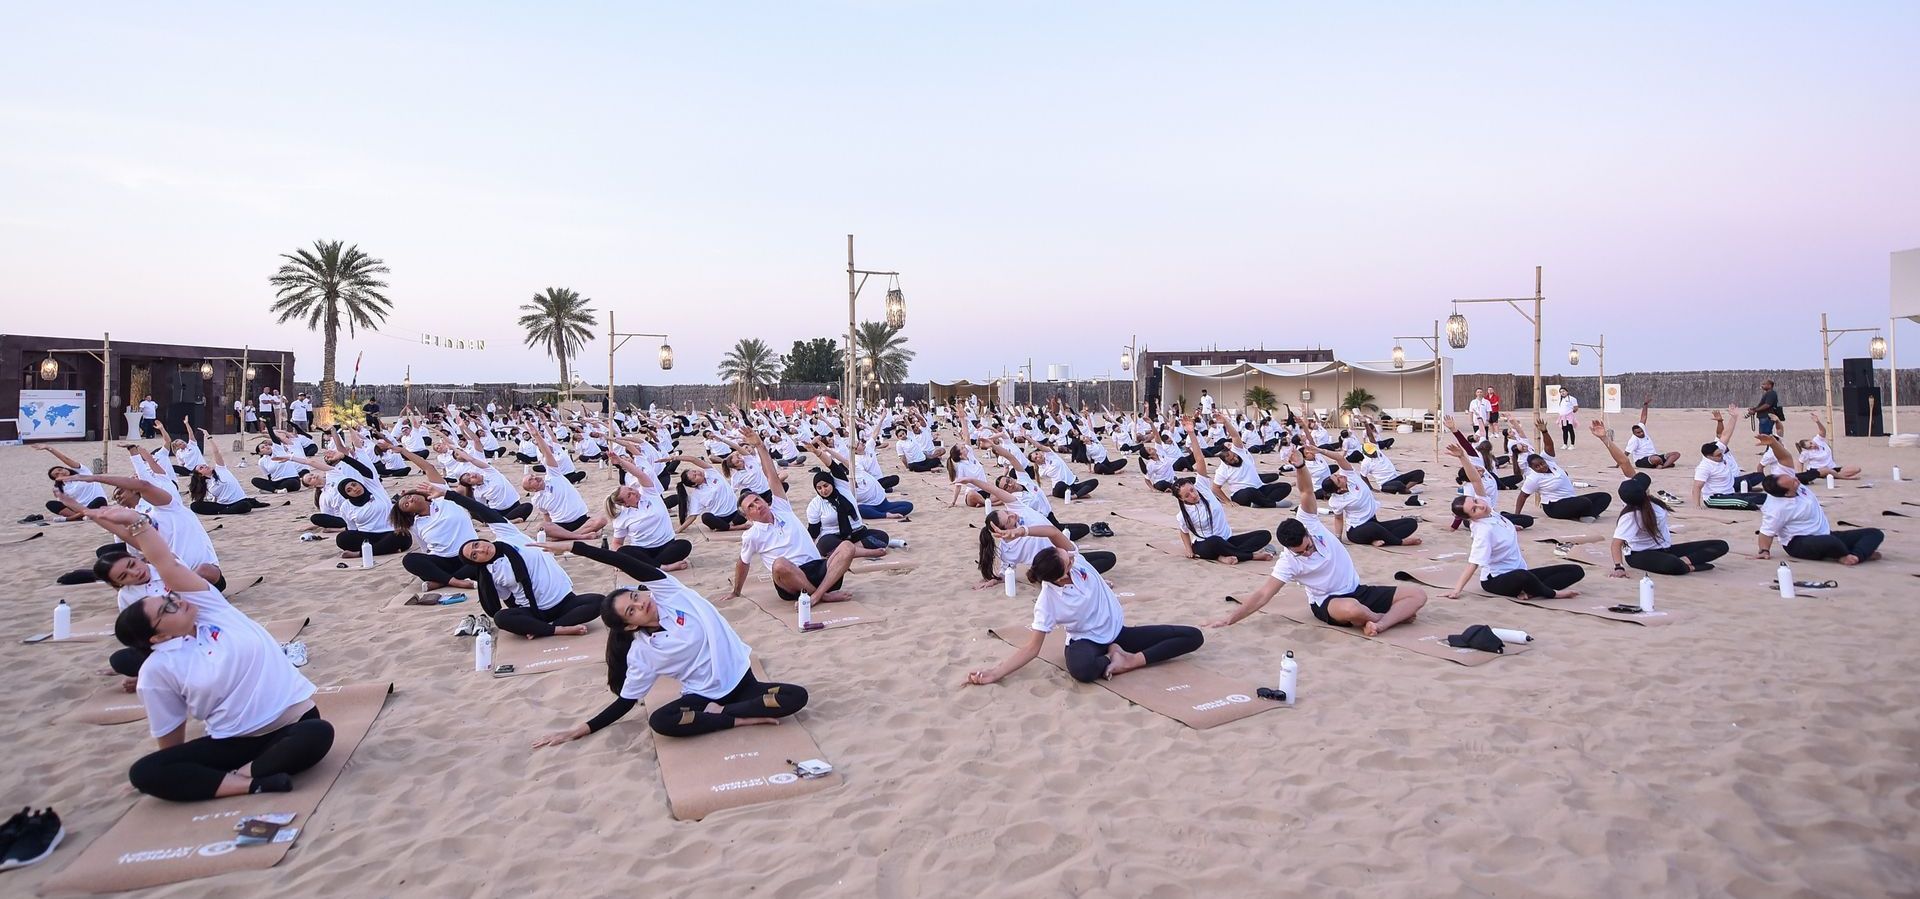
[[198, 383], [1151, 362]]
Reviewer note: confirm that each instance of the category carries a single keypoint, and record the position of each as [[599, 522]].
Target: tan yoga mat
[[332, 566], [17, 540], [1445, 575], [543, 654], [733, 768], [158, 842], [113, 705], [1426, 634], [1176, 688], [1257, 569], [832, 614]]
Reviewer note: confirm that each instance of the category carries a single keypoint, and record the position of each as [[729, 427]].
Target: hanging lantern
[[1877, 347], [666, 356], [206, 371], [896, 308], [1399, 356], [252, 372], [1573, 355], [1457, 331], [49, 368], [1126, 361]]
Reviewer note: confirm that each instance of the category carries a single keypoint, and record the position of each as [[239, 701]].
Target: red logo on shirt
[[213, 633]]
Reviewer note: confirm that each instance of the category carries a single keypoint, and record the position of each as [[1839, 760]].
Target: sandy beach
[[1757, 747]]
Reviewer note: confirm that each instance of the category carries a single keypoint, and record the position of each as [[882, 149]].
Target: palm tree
[[883, 351], [325, 286], [558, 320], [1357, 399], [1261, 398], [749, 366]]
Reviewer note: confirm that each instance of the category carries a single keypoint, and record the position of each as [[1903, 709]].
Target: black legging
[[1400, 482], [516, 512], [1265, 496], [1574, 508], [1087, 661], [716, 523], [1110, 466], [1673, 559], [322, 519], [400, 472], [1391, 533], [385, 543], [436, 569], [1536, 583], [209, 507], [1566, 432], [1079, 489], [60, 508], [277, 485], [927, 464], [1384, 442], [1101, 560], [687, 716], [1860, 543], [1519, 520], [661, 556], [193, 771], [1240, 546], [527, 621], [889, 482], [865, 537], [1074, 530], [1184, 463]]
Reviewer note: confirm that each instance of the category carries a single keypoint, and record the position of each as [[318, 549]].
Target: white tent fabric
[[1405, 392]]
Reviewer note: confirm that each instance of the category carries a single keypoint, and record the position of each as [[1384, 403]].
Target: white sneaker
[[465, 628], [296, 653]]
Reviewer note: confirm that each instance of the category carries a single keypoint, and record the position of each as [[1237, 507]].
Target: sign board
[[52, 414], [1552, 393], [1613, 398]]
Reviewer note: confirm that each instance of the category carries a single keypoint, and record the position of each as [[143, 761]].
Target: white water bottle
[[1896, 472], [1509, 635], [483, 651], [1289, 676], [1646, 593], [62, 621], [1011, 589], [1785, 576], [804, 610], [1829, 482], [366, 554]]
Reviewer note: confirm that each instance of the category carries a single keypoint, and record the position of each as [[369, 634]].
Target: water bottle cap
[[1289, 653]]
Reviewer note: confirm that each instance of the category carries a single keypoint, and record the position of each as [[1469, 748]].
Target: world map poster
[[52, 414]]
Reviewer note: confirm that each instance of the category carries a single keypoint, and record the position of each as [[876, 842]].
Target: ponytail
[[987, 549], [619, 640]]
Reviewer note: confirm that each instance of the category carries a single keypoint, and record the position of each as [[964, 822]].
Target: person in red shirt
[[1493, 401]]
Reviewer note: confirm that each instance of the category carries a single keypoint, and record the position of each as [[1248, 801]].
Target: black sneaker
[[38, 837], [10, 831], [33, 518]]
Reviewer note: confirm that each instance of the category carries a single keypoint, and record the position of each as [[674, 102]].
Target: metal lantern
[[1399, 356], [1126, 361], [1306, 396], [1877, 347], [251, 372], [206, 371], [666, 356], [1457, 331], [896, 308], [1573, 355], [49, 368]]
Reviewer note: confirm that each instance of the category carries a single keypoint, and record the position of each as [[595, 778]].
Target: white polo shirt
[[785, 537], [1327, 571], [559, 499], [694, 646], [229, 672], [444, 529], [1086, 607], [1799, 515], [646, 525], [1496, 546], [1717, 477]]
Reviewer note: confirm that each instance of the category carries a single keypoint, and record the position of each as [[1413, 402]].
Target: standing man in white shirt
[[149, 417], [301, 412], [1569, 417], [1206, 404], [269, 409], [1481, 409]]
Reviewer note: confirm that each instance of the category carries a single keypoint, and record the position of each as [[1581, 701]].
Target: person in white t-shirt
[[1816, 455], [1641, 538], [641, 526], [1640, 446], [1073, 596], [1312, 557], [1792, 516], [149, 417], [211, 662], [1569, 417], [1495, 552], [1480, 410], [660, 627], [778, 537]]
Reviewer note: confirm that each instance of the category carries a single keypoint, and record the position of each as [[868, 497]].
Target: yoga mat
[[1586, 605], [1568, 540], [1586, 554], [159, 842], [113, 705], [543, 654], [1176, 688], [1426, 635], [19, 540], [332, 566], [1258, 569], [832, 614], [733, 768], [1148, 518]]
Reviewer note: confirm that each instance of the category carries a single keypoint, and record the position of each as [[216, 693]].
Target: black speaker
[[1861, 406], [1858, 373]]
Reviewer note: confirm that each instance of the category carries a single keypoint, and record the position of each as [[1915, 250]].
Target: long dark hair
[[987, 549], [197, 486], [619, 639], [1045, 568], [1182, 506], [103, 565], [132, 628]]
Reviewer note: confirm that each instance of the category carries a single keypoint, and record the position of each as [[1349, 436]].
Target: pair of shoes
[[466, 628], [1669, 498], [296, 653], [33, 518], [482, 624], [29, 837]]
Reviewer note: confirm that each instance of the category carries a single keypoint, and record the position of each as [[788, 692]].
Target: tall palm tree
[[884, 351], [325, 286], [749, 366], [557, 320]]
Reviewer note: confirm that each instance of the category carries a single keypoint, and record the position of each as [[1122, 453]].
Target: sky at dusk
[[1699, 181]]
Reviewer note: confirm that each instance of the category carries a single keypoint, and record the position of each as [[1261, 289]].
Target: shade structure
[[1400, 392]]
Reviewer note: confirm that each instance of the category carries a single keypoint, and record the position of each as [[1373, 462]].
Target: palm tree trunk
[[323, 416], [566, 383]]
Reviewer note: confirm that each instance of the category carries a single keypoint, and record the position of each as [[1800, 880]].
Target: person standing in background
[[1493, 405], [1480, 409], [149, 417], [1569, 417], [1768, 411], [268, 409]]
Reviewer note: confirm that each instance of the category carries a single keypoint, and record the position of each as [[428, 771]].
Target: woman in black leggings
[[640, 524], [1496, 551], [1099, 644], [210, 661], [538, 599], [685, 638], [1641, 540], [1208, 535]]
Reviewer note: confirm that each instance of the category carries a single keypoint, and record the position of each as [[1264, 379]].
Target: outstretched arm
[[1620, 460], [148, 491], [137, 530], [767, 468], [65, 459], [213, 448], [1302, 483]]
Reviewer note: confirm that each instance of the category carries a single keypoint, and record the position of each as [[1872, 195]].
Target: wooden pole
[[1539, 394], [852, 373], [1600, 352], [1826, 368], [246, 387], [610, 339], [106, 392], [1436, 391]]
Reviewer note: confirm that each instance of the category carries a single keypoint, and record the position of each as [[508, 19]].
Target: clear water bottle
[[62, 621], [483, 651], [1646, 593], [1785, 576], [1289, 677]]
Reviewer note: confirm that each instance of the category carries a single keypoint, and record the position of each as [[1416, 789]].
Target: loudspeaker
[[1861, 406], [1857, 372]]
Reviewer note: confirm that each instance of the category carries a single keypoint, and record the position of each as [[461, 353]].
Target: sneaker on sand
[[296, 653], [10, 831], [465, 628], [38, 836]]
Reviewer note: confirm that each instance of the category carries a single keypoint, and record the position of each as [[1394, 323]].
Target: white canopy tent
[[1401, 393], [1903, 293]]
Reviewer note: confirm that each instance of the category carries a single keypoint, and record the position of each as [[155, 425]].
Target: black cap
[[1479, 637]]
